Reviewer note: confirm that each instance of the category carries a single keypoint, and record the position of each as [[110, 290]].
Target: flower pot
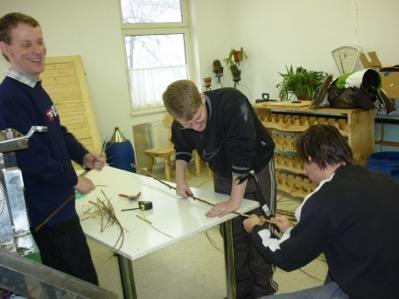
[[236, 73], [217, 67], [207, 82], [236, 56]]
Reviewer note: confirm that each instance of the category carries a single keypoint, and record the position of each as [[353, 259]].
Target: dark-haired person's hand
[[253, 221], [282, 222]]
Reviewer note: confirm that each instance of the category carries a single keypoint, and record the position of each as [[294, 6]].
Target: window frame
[[130, 29]]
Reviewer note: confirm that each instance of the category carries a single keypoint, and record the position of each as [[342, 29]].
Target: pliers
[[130, 197]]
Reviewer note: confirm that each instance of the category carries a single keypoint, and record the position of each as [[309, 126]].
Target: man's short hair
[[10, 21], [324, 145], [182, 99]]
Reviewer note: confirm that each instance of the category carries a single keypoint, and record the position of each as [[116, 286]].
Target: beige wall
[[274, 34]]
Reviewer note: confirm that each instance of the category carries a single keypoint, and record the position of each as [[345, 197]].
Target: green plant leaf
[[299, 81]]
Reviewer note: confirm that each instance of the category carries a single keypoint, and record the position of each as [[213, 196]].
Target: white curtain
[[147, 85]]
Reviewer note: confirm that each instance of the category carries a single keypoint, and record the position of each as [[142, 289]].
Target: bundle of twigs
[[103, 208]]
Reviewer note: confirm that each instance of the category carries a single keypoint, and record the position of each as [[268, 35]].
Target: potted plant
[[233, 60], [235, 72], [217, 69], [235, 57], [301, 82], [207, 82]]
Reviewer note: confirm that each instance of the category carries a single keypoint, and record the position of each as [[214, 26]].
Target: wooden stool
[[164, 153], [197, 163]]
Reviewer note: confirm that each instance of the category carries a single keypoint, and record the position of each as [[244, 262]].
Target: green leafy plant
[[301, 82], [235, 57], [233, 60]]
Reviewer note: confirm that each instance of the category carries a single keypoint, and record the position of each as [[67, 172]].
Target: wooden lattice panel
[[65, 81]]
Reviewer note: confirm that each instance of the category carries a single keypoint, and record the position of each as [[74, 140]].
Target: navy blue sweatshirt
[[47, 171]]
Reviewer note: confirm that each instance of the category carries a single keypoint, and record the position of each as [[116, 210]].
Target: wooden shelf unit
[[286, 122]]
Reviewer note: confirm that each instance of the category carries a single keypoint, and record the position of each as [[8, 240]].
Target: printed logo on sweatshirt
[[51, 113]]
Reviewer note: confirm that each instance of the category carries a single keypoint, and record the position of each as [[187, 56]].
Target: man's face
[[26, 51], [314, 172], [198, 122]]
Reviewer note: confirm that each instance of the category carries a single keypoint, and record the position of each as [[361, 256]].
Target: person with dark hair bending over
[[351, 218]]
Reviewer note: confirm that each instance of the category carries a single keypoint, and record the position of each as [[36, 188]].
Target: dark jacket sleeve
[[36, 161], [301, 245], [240, 135], [76, 150], [182, 147]]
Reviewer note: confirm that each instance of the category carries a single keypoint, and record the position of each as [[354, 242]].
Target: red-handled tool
[[130, 197]]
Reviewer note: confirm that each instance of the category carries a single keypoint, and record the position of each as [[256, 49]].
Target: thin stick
[[192, 196], [86, 171], [65, 202], [49, 217], [153, 226]]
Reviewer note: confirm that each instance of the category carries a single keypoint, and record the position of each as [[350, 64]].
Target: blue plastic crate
[[386, 162]]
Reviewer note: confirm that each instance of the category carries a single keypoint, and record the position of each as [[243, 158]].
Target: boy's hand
[[223, 208], [183, 190]]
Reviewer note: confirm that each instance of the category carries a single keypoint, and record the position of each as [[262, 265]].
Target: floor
[[194, 268]]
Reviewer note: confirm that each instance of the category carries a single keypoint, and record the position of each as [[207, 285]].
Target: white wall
[[273, 33], [303, 33], [212, 34]]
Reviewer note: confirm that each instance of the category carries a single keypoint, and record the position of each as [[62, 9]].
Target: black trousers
[[254, 275], [64, 247]]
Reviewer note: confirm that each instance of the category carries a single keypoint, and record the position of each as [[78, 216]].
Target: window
[[156, 38]]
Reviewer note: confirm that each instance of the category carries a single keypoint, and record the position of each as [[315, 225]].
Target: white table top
[[177, 217]]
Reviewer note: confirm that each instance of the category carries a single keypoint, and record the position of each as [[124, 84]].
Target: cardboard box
[[390, 79]]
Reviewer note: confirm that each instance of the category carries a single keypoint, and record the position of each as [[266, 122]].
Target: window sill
[[147, 111]]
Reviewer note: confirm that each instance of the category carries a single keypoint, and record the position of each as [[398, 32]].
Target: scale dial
[[347, 58]]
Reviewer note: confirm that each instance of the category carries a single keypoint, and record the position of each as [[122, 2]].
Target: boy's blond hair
[[182, 99]]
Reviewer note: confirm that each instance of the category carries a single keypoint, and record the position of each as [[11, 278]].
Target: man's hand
[[223, 208], [84, 185], [251, 222], [183, 190], [282, 223], [94, 161]]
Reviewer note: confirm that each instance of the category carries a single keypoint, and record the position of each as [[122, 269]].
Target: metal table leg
[[227, 232], [127, 277]]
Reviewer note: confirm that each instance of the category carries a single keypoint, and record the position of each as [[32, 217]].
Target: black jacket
[[353, 219], [234, 141]]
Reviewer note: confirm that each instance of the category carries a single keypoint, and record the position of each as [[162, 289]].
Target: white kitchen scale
[[347, 59]]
